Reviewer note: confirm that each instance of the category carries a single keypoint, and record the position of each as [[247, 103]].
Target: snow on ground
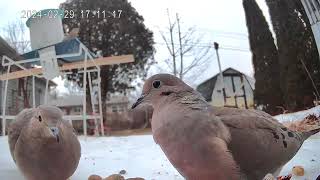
[[298, 115], [138, 155], [141, 157]]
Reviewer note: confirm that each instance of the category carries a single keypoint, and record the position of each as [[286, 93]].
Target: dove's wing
[[16, 126], [73, 143], [194, 142], [259, 143]]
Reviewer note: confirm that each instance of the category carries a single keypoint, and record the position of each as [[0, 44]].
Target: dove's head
[[46, 121], [158, 87]]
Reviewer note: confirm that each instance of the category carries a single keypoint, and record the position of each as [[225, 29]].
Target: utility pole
[[216, 47], [172, 45], [180, 43]]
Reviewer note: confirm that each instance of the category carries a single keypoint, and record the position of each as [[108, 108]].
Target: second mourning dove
[[43, 145], [206, 143]]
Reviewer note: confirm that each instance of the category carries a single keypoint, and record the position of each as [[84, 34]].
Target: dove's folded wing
[[16, 126], [258, 140]]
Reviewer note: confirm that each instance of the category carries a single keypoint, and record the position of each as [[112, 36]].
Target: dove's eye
[[156, 84], [40, 118]]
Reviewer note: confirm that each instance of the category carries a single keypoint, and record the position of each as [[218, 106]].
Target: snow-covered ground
[[141, 157], [298, 115], [138, 155]]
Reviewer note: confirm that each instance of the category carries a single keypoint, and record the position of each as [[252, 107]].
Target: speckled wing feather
[[259, 143], [206, 143]]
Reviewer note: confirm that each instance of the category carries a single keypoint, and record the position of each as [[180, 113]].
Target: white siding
[[217, 95], [14, 102], [312, 8]]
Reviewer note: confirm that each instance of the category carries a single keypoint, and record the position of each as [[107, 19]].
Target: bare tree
[[193, 55], [72, 87], [16, 36]]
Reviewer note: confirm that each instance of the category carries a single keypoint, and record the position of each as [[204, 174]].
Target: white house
[[238, 90], [15, 97], [72, 104]]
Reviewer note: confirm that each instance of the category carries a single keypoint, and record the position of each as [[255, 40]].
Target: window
[[77, 109], [121, 109], [114, 109]]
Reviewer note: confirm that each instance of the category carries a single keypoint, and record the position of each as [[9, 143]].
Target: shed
[[238, 90]]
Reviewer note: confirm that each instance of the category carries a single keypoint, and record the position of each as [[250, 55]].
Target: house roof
[[6, 49], [206, 88]]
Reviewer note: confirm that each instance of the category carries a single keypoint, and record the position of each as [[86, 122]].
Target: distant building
[[116, 111], [238, 90], [15, 97], [72, 104]]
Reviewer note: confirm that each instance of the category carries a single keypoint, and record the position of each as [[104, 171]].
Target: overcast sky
[[216, 20]]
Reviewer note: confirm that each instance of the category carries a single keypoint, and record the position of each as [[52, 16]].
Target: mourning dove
[[206, 143], [43, 145]]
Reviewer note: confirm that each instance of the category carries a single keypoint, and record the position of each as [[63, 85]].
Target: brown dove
[[206, 143], [43, 145]]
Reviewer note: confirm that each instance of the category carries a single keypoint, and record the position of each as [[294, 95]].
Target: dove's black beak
[[55, 132], [139, 101]]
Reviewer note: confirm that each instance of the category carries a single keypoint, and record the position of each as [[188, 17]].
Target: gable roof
[[6, 49], [206, 88]]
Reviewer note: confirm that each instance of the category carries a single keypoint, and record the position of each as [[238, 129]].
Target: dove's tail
[[307, 134]]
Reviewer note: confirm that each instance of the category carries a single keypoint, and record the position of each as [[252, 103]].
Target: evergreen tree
[[295, 45], [311, 54], [267, 91], [113, 27]]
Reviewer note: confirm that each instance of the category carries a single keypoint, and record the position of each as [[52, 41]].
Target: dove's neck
[[184, 99], [172, 107]]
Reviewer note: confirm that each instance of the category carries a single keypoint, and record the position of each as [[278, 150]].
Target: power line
[[199, 45], [213, 31], [236, 49], [207, 45], [222, 35], [223, 32]]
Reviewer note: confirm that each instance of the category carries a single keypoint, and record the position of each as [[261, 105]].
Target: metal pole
[[96, 131], [100, 103], [46, 92], [33, 92], [4, 103], [313, 84], [216, 47], [84, 105]]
